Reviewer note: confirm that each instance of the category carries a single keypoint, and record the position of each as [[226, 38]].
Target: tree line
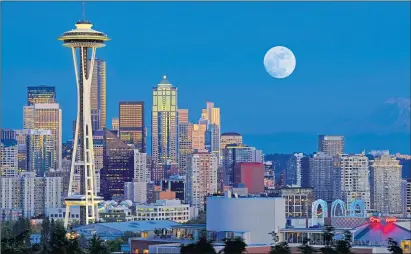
[[54, 238], [238, 246]]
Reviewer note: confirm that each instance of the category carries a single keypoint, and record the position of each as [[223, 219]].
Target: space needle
[[83, 42]]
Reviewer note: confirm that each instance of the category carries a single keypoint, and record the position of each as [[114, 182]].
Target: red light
[[374, 219], [390, 219]]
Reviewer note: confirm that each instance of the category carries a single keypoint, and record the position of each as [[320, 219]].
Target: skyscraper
[[98, 95], [230, 138], [182, 115], [164, 124], [331, 145], [137, 188], [321, 172], [98, 148], [185, 135], [8, 157], [40, 151], [202, 175], [115, 123], [118, 166], [199, 135], [351, 179], [386, 179], [234, 154], [131, 124], [293, 174], [83, 42], [46, 116], [212, 140], [41, 94]]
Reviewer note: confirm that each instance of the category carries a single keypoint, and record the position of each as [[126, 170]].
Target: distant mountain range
[[393, 115]]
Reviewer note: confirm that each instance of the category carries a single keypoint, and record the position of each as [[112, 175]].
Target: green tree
[[97, 246], [22, 229], [305, 248], [45, 235], [16, 244], [393, 247], [234, 246], [280, 248], [74, 245], [58, 242], [115, 245], [202, 246], [277, 246], [328, 240], [344, 246]]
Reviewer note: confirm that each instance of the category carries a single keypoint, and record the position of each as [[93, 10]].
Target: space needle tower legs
[[82, 41]]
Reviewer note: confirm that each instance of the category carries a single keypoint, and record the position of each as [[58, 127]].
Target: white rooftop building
[[172, 210]]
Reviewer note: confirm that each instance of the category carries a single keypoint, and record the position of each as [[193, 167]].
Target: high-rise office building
[[202, 175], [251, 174], [136, 190], [230, 138], [212, 140], [182, 115], [185, 135], [184, 139], [118, 166], [40, 151], [98, 95], [164, 124], [131, 124], [321, 173], [8, 157], [41, 94], [235, 154], [98, 149], [140, 166], [386, 179], [46, 117], [115, 124], [331, 145], [199, 135], [294, 171], [351, 179]]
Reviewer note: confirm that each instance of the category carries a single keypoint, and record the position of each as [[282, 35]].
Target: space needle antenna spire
[[83, 10]]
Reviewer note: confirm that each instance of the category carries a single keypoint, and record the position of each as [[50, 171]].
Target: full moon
[[279, 62]]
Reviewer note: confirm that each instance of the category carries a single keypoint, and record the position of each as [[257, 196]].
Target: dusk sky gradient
[[351, 57]]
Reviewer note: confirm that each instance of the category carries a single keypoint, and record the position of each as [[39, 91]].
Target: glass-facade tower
[[131, 124], [164, 124]]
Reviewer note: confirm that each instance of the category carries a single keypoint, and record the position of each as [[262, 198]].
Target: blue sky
[[351, 57]]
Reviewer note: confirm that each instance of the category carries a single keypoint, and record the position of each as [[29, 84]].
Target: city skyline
[[240, 73]]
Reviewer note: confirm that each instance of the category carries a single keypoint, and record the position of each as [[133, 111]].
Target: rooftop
[[231, 134], [164, 81], [121, 227]]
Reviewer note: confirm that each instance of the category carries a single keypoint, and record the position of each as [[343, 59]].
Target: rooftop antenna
[[84, 11]]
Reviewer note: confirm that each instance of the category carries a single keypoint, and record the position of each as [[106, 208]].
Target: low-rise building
[[172, 210]]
